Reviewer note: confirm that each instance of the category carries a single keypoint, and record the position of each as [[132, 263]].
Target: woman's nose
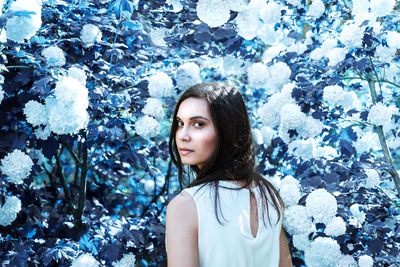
[[183, 134]]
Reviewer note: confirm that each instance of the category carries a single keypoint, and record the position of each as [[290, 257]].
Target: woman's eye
[[198, 124], [179, 123]]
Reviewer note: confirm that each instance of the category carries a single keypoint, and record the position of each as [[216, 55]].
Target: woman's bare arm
[[181, 232], [285, 259]]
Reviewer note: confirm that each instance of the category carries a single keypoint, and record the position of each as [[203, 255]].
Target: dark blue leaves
[[346, 148]]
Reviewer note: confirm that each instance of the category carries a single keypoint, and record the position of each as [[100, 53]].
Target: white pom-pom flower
[[290, 194], [323, 251], [54, 56], [373, 178], [154, 107], [147, 127], [336, 227], [357, 213], [316, 9], [278, 75], [365, 261], [85, 260], [42, 133], [302, 148], [77, 73], [381, 8], [128, 260], [160, 85], [213, 12], [35, 113], [267, 134], [257, 75], [90, 34], [24, 27], [290, 180], [302, 241], [187, 75], [17, 166], [380, 114], [351, 35], [321, 205], [248, 24], [270, 13], [393, 39], [346, 261], [9, 210], [297, 221]]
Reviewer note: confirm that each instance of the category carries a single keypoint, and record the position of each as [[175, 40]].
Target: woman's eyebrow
[[194, 118]]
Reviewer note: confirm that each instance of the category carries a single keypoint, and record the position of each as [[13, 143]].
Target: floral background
[[87, 94]]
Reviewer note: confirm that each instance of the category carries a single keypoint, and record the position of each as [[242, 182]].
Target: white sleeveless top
[[232, 244]]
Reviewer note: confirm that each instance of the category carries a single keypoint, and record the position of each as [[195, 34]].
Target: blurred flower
[[381, 8], [187, 75], [154, 107], [296, 3], [373, 178], [78, 73], [9, 210], [393, 39], [257, 75], [335, 227], [346, 261], [267, 134], [380, 114], [128, 260], [237, 5], [17, 166], [54, 56], [365, 261], [147, 127], [301, 241], [316, 9], [90, 34], [43, 133], [160, 85], [213, 12], [302, 148], [35, 113], [357, 213], [321, 205], [296, 220], [324, 251], [21, 27], [157, 36], [85, 260], [327, 152], [290, 194], [351, 35], [148, 186], [270, 13], [1, 94], [278, 75]]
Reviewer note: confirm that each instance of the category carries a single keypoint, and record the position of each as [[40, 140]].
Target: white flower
[[90, 34], [321, 205], [43, 133], [380, 114], [278, 75], [332, 94], [291, 116], [257, 136], [290, 194], [154, 107], [346, 261], [381, 8], [35, 113], [247, 24], [257, 75], [37, 154], [237, 5], [365, 261], [359, 215], [157, 36], [76, 72], [54, 56], [267, 134], [327, 152], [351, 35], [302, 148], [148, 186], [128, 260], [336, 55], [147, 127], [9, 210], [1, 94], [322, 51], [290, 180], [69, 91], [301, 241], [271, 13], [296, 3], [187, 75], [366, 141], [384, 53], [85, 260], [20, 28], [323, 251], [160, 85], [336, 227], [213, 12], [296, 220], [373, 178], [17, 166], [316, 9], [393, 39]]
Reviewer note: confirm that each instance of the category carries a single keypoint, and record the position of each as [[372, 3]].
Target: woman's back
[[233, 243]]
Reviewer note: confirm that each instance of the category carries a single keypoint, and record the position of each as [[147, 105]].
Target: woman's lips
[[185, 151]]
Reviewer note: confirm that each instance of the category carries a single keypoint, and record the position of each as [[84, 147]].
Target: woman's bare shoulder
[[183, 208]]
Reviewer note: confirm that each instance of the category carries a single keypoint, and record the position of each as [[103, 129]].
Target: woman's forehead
[[192, 107]]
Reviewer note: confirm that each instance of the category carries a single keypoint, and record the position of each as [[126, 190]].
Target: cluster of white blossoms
[[147, 127], [352, 35], [78, 73], [90, 34], [330, 51], [380, 114], [324, 251], [290, 191], [321, 205], [301, 241], [85, 260], [272, 77], [17, 166], [160, 85], [335, 95], [335, 227], [358, 215], [381, 8], [373, 178], [24, 27], [316, 9], [54, 56], [346, 261], [63, 113], [128, 260], [154, 107], [393, 39], [187, 75], [9, 210], [297, 221], [213, 12], [365, 261]]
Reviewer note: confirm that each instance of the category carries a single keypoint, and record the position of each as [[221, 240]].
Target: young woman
[[215, 221]]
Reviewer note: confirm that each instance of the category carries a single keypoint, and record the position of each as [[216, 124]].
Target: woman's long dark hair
[[234, 155]]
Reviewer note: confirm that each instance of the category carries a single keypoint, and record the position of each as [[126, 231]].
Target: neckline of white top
[[233, 185]]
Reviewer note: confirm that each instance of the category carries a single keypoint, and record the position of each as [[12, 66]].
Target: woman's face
[[195, 136]]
